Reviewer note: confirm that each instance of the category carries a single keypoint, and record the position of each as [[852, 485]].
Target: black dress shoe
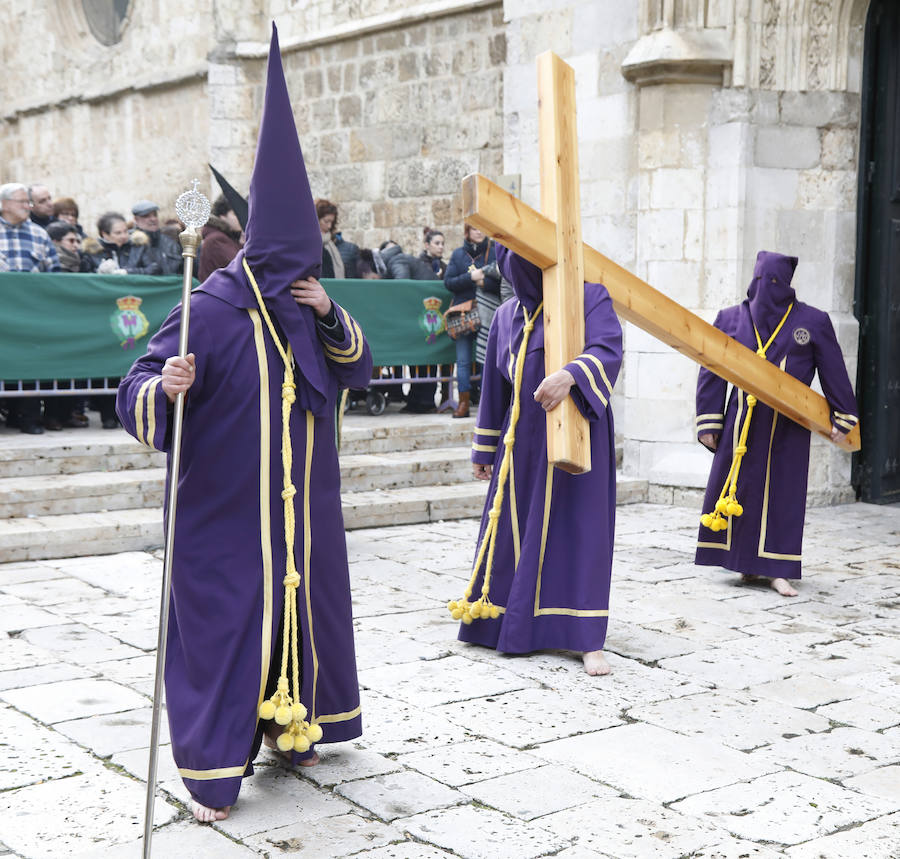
[[31, 429], [110, 423]]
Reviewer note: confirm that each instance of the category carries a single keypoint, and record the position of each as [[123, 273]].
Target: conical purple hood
[[770, 292], [283, 241], [526, 278]]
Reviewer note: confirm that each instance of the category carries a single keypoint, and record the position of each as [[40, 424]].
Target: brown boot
[[462, 410]]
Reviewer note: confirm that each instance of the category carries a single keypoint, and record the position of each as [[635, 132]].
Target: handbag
[[462, 318]]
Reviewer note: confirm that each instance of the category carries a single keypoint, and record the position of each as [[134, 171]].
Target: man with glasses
[[24, 246]]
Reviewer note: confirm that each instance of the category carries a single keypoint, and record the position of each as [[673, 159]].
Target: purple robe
[[551, 570], [767, 538], [229, 554]]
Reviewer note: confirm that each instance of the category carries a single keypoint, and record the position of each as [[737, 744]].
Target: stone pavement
[[736, 723]]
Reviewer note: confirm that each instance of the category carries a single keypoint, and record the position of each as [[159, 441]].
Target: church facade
[[707, 131]]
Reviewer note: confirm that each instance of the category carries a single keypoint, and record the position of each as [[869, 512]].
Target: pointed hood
[[283, 242], [526, 278], [770, 292], [236, 201]]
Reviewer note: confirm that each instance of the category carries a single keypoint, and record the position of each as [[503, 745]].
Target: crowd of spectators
[[41, 234]]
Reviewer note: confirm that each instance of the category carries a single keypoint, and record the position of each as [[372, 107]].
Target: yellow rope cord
[[727, 504], [285, 708], [483, 607]]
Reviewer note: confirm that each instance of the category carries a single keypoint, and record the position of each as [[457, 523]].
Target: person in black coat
[[467, 281]]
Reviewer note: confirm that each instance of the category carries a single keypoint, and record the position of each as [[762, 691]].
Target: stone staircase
[[93, 491]]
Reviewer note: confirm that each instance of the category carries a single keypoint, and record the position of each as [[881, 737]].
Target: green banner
[[81, 326]]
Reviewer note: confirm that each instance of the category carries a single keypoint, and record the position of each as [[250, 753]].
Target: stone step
[[82, 492], [98, 491], [83, 450], [75, 534]]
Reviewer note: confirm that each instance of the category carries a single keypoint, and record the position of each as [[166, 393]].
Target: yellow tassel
[[285, 742], [298, 712], [314, 732], [266, 710], [482, 608], [301, 744]]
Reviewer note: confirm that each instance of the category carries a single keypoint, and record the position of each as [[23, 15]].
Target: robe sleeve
[[711, 390], [596, 369], [347, 351], [496, 393], [141, 403], [834, 378]]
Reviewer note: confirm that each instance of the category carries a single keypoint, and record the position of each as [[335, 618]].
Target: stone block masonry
[[389, 121]]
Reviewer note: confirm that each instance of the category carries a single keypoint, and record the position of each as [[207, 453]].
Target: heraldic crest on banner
[[127, 322], [432, 320]]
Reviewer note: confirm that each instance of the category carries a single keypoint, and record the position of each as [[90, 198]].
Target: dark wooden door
[[877, 305]]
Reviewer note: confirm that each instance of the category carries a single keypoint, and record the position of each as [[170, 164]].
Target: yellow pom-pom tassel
[[467, 618], [452, 605], [266, 710], [298, 712], [314, 732], [301, 744], [285, 742], [456, 614], [495, 612], [721, 505], [706, 520], [283, 715], [475, 609], [738, 509]]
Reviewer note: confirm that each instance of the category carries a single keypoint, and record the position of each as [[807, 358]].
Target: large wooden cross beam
[[552, 240]]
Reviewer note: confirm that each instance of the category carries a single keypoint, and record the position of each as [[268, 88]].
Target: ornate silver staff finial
[[193, 208]]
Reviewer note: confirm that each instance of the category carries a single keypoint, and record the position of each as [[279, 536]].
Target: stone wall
[[390, 121], [686, 175], [105, 125], [394, 104]]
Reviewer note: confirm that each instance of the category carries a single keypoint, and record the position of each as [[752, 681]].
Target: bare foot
[[783, 587], [595, 663], [310, 762], [209, 815]]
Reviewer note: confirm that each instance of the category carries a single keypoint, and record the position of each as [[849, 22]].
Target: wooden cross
[[551, 239]]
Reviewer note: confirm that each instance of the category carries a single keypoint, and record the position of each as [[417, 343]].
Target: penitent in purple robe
[[551, 570], [229, 555], [767, 538]]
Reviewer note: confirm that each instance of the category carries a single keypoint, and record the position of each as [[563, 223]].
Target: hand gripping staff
[[193, 210]]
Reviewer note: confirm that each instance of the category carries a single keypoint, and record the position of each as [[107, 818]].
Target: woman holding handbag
[[467, 281]]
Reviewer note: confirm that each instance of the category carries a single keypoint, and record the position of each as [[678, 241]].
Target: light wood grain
[[568, 443], [533, 236]]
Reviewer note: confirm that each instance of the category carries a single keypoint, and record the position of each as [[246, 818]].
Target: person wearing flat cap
[[162, 249], [260, 639]]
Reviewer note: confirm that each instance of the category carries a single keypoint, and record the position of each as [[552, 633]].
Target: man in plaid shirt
[[24, 246]]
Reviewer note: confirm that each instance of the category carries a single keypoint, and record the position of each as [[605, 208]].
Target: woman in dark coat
[[466, 280], [128, 252]]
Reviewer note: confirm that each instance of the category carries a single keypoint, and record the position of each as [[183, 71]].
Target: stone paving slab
[[736, 719], [785, 808], [59, 702], [481, 833], [874, 840], [400, 794], [88, 811], [736, 724], [334, 837], [653, 763]]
